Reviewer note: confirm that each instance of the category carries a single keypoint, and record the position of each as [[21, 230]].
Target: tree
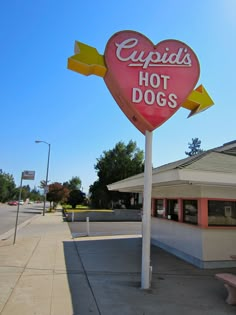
[[42, 184], [7, 187], [99, 195], [114, 165], [194, 147], [73, 184], [57, 193], [76, 197], [25, 192], [35, 195]]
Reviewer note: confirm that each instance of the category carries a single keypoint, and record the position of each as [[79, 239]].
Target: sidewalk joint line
[[87, 278], [53, 277], [20, 276]]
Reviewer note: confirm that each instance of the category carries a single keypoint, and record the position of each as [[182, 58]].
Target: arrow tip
[[204, 103]]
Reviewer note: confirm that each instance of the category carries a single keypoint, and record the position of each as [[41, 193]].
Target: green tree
[[7, 187], [42, 184], [25, 192], [35, 195], [76, 197], [73, 184], [194, 147], [99, 195], [114, 165]]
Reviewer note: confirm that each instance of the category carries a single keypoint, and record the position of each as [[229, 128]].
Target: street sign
[[29, 175]]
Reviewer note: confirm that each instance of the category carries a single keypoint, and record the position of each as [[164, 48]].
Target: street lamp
[[46, 182]]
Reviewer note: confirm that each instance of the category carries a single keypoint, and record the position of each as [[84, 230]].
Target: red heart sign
[[149, 82]]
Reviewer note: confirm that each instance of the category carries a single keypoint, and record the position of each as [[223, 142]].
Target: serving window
[[190, 211], [159, 208], [221, 213], [172, 209]]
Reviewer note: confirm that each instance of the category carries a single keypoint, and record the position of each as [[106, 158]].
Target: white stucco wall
[[218, 192], [182, 191], [218, 244], [184, 240], [194, 191], [205, 248]]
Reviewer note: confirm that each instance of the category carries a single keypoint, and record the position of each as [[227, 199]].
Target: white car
[[21, 202]]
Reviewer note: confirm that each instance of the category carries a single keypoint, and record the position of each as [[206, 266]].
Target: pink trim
[[180, 212], [203, 212]]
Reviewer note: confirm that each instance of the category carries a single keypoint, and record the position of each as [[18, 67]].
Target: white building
[[194, 206]]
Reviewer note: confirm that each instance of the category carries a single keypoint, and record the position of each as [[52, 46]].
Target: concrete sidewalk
[[47, 272]]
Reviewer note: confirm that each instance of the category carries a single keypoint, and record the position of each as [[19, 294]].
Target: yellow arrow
[[87, 60], [198, 101]]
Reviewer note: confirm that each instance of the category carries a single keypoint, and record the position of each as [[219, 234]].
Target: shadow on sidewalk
[[81, 294], [94, 262], [105, 275]]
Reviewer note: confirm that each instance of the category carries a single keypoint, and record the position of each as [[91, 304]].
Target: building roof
[[215, 166], [228, 149]]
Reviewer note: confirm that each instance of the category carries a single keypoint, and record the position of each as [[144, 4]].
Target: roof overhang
[[176, 177]]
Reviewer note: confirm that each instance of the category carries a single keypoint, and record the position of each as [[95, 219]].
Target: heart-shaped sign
[[149, 82]]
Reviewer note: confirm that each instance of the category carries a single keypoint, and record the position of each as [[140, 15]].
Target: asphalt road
[[8, 215]]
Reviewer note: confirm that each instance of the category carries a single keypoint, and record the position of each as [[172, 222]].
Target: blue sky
[[42, 100]]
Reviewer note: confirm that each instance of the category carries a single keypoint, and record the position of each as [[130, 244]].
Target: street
[[8, 215]]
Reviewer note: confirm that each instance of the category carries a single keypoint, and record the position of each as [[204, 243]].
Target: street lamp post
[[46, 182]]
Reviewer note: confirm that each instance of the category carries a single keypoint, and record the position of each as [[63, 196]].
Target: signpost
[[26, 175], [150, 83]]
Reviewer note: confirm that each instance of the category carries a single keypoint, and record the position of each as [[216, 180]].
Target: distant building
[[194, 206]]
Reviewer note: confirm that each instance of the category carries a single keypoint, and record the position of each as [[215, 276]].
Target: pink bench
[[230, 284]]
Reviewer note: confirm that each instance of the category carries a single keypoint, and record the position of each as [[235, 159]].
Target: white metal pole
[[46, 183], [87, 225], [146, 223]]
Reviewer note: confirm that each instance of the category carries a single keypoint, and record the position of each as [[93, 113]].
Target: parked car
[[13, 203], [21, 202]]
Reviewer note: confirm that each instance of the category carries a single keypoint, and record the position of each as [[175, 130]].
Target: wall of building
[[218, 246], [193, 191], [183, 191], [204, 248], [182, 240], [223, 192]]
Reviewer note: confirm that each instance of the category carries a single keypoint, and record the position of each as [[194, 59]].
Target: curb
[[11, 232]]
